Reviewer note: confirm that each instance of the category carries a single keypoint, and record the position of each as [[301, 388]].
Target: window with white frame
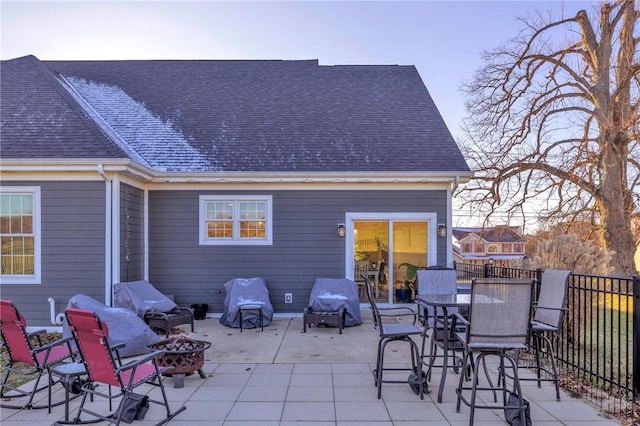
[[20, 235], [236, 220]]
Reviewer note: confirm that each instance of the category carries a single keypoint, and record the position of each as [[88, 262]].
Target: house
[[189, 173], [481, 246]]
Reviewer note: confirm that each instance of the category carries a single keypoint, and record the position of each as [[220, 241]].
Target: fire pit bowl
[[184, 354]]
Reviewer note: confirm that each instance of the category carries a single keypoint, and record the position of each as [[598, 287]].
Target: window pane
[[252, 229], [18, 242], [220, 210], [220, 229], [252, 210], [6, 256]]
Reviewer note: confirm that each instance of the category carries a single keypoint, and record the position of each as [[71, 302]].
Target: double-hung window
[[236, 220], [20, 235]]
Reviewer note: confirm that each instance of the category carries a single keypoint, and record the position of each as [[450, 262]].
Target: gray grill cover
[[246, 291], [124, 325], [329, 294], [141, 297]]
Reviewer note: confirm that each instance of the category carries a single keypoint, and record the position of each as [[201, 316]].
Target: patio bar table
[[441, 303]]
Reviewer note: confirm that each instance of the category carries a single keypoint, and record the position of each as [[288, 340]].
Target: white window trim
[[205, 241], [36, 278]]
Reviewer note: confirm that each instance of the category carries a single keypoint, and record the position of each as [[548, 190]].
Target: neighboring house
[[191, 173], [496, 245]]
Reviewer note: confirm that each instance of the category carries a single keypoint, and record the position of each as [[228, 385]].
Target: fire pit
[[184, 354]]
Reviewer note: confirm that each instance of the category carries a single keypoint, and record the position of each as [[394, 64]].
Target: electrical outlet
[[288, 298]]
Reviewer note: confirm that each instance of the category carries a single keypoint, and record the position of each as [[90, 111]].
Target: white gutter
[[107, 236]]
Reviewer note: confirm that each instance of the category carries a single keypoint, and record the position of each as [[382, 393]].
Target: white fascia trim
[[146, 174], [313, 177], [69, 168]]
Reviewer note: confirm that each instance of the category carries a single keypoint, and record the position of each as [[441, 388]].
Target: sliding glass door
[[389, 248]]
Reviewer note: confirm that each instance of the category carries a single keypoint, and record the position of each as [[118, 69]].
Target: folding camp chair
[[27, 354], [91, 336]]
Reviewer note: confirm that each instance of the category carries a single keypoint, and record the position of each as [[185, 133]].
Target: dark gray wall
[[131, 233], [305, 244], [73, 248]]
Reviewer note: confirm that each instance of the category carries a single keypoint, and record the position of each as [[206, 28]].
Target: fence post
[[636, 337], [538, 282]]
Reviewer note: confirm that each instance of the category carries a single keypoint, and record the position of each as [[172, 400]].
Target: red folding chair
[[92, 338], [27, 355]]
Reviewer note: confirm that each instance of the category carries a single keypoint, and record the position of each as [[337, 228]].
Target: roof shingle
[[269, 116]]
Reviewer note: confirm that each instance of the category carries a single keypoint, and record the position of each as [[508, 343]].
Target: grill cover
[[329, 294], [124, 325], [141, 297], [246, 291]]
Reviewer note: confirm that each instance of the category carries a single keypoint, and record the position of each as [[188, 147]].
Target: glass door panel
[[371, 248], [408, 254]]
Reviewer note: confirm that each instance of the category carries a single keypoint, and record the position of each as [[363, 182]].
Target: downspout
[[107, 236], [455, 185], [55, 319]]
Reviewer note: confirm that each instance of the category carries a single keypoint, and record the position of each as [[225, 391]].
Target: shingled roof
[[499, 234], [40, 119], [214, 115]]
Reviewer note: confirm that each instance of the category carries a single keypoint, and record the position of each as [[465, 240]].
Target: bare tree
[[554, 123]]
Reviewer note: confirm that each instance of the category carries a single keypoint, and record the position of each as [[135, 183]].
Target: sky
[[444, 40]]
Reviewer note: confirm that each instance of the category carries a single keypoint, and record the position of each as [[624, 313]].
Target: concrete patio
[[283, 377]]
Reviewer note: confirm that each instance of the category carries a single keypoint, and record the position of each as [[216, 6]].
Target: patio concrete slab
[[284, 377]]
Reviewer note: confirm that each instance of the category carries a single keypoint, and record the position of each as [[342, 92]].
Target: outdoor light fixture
[[342, 230], [442, 230]]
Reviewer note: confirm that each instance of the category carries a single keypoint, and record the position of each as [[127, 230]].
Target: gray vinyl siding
[[131, 233], [73, 249], [305, 243]]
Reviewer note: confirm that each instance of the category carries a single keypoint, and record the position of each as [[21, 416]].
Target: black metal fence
[[598, 350]]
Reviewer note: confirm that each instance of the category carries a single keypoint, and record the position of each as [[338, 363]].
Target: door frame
[[432, 238]]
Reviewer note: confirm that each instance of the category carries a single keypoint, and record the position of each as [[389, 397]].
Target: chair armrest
[[457, 317], [184, 310], [66, 341], [166, 315], [399, 311], [116, 350], [458, 331], [549, 308], [138, 361], [49, 346], [156, 315]]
